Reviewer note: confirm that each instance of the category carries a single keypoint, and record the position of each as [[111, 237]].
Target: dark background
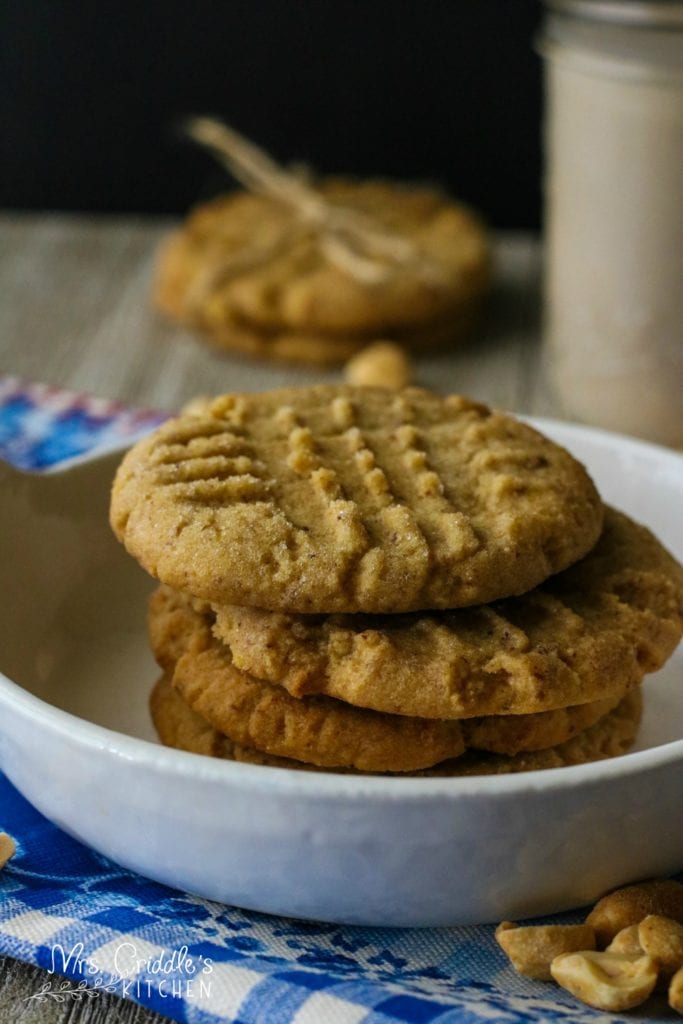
[[447, 90]]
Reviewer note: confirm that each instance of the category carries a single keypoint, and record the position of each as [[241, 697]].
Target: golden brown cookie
[[343, 499], [322, 350], [518, 734], [587, 634], [245, 271], [320, 730], [178, 625], [178, 726], [611, 736]]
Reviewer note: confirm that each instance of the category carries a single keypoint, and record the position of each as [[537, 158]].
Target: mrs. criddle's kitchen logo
[[125, 970]]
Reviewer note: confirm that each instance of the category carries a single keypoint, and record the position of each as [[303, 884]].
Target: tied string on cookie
[[353, 241]]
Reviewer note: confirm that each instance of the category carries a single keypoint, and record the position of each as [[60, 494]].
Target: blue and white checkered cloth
[[83, 918]]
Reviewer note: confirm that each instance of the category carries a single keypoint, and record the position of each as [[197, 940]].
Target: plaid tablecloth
[[83, 918]]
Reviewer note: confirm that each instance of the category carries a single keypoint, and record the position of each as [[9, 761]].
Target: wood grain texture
[[75, 313]]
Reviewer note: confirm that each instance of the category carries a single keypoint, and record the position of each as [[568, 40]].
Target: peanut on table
[[641, 927]]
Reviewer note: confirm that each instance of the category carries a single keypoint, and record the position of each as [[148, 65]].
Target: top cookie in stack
[[360, 260], [342, 499], [321, 549]]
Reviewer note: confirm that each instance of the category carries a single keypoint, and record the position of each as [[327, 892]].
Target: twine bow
[[350, 239]]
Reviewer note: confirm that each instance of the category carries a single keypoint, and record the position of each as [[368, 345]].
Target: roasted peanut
[[382, 364], [676, 992], [7, 848], [532, 949], [197, 406], [626, 941], [662, 939], [606, 981], [627, 906]]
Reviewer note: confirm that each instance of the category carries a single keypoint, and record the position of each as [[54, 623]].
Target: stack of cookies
[[317, 280], [367, 580]]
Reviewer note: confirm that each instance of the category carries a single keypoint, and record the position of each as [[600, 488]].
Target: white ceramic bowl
[[76, 739]]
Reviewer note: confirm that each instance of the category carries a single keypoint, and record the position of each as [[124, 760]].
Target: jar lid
[[659, 14]]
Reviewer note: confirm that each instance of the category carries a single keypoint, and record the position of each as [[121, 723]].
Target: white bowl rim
[[335, 785]]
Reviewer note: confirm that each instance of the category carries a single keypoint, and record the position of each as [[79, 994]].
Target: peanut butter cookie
[[320, 730], [518, 734], [587, 634], [321, 350], [178, 726], [611, 736], [249, 275], [343, 499], [177, 628]]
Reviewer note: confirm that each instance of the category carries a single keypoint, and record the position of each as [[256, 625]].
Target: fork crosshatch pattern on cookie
[[585, 634], [335, 498]]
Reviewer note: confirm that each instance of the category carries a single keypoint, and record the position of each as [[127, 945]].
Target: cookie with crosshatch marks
[[179, 631], [345, 499], [320, 730], [586, 634]]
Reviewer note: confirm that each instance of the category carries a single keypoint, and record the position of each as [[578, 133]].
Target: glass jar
[[614, 213]]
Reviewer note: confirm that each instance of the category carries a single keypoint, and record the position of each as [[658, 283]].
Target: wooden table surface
[[74, 312]]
